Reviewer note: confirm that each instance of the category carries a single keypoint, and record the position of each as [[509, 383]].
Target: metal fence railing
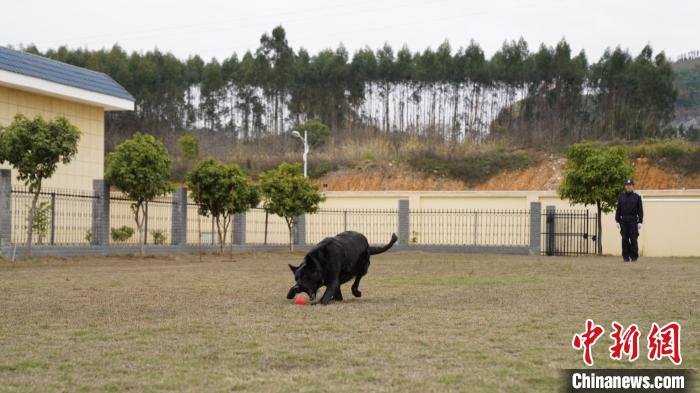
[[470, 227], [65, 218], [201, 228], [376, 224], [264, 228], [62, 217], [158, 216], [121, 215], [569, 232]]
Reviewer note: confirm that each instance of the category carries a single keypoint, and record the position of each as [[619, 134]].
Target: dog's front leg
[[338, 295], [331, 290], [356, 286]]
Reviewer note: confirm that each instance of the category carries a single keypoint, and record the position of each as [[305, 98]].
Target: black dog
[[334, 261]]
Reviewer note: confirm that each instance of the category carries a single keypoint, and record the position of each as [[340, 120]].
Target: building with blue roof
[[35, 85]]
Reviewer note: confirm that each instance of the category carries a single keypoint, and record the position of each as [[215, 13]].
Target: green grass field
[[426, 322]]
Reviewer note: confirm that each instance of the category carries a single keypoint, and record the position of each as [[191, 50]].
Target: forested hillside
[[687, 81], [441, 118], [534, 96]]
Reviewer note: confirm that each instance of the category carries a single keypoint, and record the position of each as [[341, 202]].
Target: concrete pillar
[[404, 222], [5, 207], [535, 228], [238, 228], [100, 213], [178, 224], [300, 230]]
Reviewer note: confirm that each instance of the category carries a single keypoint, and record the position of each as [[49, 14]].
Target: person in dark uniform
[[629, 216]]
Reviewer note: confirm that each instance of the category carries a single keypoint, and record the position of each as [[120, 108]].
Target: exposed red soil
[[547, 175]]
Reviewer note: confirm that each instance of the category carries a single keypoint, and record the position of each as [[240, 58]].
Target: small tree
[[121, 234], [188, 154], [594, 176], [221, 191], [140, 167], [318, 133], [288, 194], [34, 148], [188, 147]]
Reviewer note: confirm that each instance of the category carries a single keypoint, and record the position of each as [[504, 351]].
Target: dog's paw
[[356, 293]]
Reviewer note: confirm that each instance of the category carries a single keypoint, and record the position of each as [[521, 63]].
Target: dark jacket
[[629, 207]]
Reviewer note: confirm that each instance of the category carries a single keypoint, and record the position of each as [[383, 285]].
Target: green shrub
[[368, 156], [121, 234], [318, 169], [40, 223], [317, 132], [472, 167], [188, 147], [158, 236], [659, 149], [676, 154]]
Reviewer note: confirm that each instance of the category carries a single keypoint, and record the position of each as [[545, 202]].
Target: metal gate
[[569, 232]]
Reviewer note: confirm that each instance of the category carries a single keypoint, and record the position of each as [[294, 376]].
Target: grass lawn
[[426, 322]]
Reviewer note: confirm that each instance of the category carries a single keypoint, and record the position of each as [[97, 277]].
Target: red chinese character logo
[[626, 342], [665, 341], [586, 340]]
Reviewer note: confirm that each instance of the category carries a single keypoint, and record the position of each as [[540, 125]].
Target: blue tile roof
[[55, 71]]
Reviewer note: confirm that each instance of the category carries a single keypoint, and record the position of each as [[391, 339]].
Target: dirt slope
[[376, 176], [386, 176], [544, 176]]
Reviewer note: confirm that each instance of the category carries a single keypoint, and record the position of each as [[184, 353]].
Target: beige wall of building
[[671, 217], [89, 162]]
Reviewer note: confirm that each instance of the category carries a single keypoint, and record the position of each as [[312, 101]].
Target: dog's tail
[[379, 250]]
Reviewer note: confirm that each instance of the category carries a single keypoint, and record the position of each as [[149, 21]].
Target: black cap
[[629, 182]]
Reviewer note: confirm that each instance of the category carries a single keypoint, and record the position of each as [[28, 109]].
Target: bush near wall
[[474, 166], [676, 154]]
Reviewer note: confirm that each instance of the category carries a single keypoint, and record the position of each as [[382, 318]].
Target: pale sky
[[214, 28]]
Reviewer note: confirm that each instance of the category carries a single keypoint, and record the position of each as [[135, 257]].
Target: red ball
[[301, 300]]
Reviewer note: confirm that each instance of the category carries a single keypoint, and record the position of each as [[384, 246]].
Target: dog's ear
[[293, 268]]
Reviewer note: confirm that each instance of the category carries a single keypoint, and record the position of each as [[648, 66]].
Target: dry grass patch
[[427, 322]]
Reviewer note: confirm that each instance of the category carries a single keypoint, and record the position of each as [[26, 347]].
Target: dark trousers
[[630, 233]]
